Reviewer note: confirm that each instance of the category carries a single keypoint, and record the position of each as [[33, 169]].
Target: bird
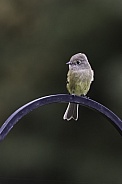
[[79, 79]]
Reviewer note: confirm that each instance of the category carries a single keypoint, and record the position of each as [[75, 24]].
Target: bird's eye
[[78, 62]]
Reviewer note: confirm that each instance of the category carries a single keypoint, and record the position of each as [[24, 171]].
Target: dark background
[[37, 38]]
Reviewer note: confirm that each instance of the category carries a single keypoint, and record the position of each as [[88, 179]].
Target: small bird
[[79, 78]]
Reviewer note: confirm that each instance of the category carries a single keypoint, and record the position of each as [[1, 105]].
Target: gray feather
[[71, 112]]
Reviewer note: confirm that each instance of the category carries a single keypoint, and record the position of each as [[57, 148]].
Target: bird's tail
[[71, 112]]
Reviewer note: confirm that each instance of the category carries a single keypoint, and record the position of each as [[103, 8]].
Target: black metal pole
[[59, 98]]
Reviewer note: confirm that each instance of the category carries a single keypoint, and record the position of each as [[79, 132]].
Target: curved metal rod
[[25, 109]]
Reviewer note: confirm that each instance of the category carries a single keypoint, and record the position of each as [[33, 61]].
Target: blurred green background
[[37, 38]]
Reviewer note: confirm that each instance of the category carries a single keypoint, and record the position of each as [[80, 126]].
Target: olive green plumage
[[78, 82], [79, 78]]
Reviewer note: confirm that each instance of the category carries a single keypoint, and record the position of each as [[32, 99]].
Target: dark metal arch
[[59, 98]]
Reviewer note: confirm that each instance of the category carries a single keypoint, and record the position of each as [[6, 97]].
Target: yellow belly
[[78, 82]]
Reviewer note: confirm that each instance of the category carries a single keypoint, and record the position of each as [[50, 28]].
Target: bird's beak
[[68, 63]]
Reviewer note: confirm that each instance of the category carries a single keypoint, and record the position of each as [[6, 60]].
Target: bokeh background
[[37, 38]]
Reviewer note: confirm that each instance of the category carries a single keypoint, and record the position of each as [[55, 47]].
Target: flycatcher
[[79, 78]]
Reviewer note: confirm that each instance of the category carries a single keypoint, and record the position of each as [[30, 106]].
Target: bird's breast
[[79, 82]]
